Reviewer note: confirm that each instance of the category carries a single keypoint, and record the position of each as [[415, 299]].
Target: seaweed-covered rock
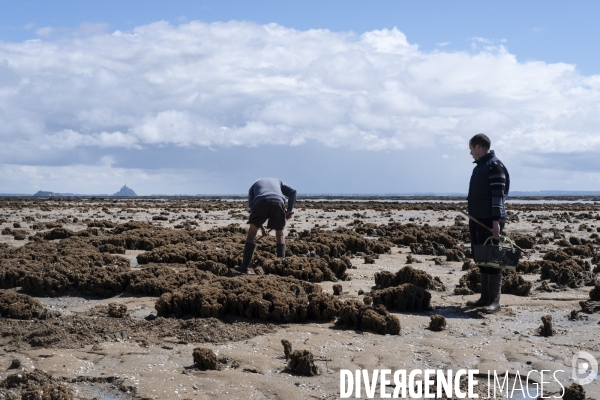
[[525, 241], [575, 279], [306, 268], [590, 306], [335, 243], [36, 385], [384, 279], [180, 253], [19, 234], [428, 248], [406, 234], [512, 283], [467, 265], [287, 348], [454, 255], [437, 323], [109, 248], [213, 267], [406, 297], [19, 306], [357, 315], [569, 272], [530, 267], [156, 279], [471, 280], [101, 224], [117, 310], [205, 359], [574, 392], [463, 291], [546, 328], [51, 268], [58, 233], [595, 292], [369, 260], [302, 363], [339, 266], [408, 274], [266, 297], [584, 250], [556, 256], [337, 290]]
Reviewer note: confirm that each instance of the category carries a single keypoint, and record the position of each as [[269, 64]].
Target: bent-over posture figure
[[266, 199], [488, 190]]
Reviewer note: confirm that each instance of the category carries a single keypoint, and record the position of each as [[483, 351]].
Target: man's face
[[476, 151]]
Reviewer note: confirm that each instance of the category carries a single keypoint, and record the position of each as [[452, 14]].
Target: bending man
[[488, 190], [266, 199]]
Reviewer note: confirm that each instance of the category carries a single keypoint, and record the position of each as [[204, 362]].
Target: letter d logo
[[582, 361]]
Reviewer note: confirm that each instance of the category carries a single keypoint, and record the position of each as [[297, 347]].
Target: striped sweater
[[488, 188]]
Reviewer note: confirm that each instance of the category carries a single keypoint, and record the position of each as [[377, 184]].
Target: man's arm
[[497, 179], [250, 199], [290, 193]]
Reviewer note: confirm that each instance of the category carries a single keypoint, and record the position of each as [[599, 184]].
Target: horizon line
[[516, 193]]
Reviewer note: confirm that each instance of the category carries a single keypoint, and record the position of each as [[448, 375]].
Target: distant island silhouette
[[125, 191], [43, 193]]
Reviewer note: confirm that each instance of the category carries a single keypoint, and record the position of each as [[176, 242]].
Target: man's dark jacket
[[488, 188]]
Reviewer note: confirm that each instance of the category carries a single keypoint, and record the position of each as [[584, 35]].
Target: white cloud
[[45, 31], [481, 40], [243, 84], [91, 29]]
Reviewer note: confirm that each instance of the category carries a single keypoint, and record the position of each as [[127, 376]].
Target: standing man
[[266, 199], [488, 190]]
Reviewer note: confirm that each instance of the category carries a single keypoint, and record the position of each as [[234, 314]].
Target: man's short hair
[[481, 140]]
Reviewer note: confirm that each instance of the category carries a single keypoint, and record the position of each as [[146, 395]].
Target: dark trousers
[[479, 235]]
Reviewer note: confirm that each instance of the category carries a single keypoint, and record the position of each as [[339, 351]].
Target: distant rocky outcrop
[[125, 191], [41, 193]]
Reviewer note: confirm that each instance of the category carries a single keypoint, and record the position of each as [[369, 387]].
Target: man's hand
[[289, 214], [496, 230], [263, 231]]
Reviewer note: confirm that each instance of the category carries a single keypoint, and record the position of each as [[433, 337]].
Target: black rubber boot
[[495, 288], [248, 252], [484, 300], [280, 250]]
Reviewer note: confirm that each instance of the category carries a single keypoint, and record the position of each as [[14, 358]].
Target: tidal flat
[[108, 298]]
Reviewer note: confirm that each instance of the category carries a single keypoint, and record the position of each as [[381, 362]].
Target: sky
[[336, 97]]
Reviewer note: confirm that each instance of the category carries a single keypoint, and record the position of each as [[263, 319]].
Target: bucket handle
[[503, 241]]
